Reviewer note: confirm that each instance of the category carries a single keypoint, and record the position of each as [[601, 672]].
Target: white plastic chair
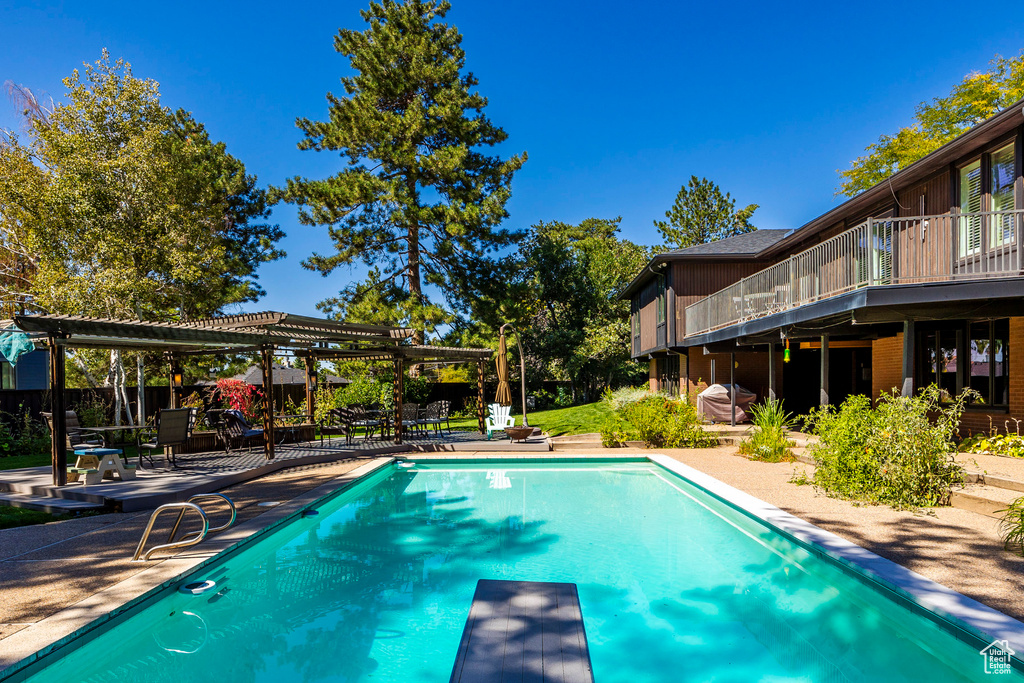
[[500, 418]]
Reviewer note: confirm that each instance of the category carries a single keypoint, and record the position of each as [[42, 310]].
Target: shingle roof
[[747, 244], [282, 375]]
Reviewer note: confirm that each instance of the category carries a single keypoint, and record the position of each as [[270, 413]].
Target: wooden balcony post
[[824, 370], [58, 450], [872, 252], [732, 388], [909, 334]]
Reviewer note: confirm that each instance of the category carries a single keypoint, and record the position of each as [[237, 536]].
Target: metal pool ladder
[[189, 539]]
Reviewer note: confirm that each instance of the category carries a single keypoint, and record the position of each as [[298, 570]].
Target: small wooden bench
[[524, 631]]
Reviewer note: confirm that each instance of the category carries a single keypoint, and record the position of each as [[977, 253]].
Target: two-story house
[[918, 280]]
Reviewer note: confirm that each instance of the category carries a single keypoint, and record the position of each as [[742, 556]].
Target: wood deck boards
[[523, 632]]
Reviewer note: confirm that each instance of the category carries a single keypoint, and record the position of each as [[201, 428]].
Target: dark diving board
[[523, 631]]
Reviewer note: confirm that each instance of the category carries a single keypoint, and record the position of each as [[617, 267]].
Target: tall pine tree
[[702, 213], [418, 200]]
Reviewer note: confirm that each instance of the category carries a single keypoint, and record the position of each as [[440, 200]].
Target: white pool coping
[[983, 622]]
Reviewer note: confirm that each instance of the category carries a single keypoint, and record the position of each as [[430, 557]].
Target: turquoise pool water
[[673, 585]]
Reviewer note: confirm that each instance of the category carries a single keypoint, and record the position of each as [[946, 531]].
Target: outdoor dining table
[[107, 432], [287, 429]]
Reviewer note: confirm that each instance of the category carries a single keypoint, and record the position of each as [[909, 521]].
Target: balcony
[[880, 252]]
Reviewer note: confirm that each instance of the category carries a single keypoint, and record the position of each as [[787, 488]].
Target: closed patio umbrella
[[504, 395]]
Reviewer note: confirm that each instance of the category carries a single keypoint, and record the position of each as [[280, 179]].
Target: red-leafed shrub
[[238, 395]]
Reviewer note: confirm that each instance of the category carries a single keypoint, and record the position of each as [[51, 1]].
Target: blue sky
[[616, 106]]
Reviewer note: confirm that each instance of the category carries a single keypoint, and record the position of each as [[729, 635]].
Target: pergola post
[[267, 362], [59, 452], [399, 389], [823, 397], [480, 396], [311, 380], [172, 371]]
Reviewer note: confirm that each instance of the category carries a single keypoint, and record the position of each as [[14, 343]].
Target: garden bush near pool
[[899, 453]]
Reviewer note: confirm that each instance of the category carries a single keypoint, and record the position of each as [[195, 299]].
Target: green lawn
[[12, 517], [582, 419]]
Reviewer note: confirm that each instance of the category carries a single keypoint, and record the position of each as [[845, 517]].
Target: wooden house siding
[[918, 251], [693, 281]]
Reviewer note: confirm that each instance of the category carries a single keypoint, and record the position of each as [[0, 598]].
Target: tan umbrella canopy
[[504, 395]]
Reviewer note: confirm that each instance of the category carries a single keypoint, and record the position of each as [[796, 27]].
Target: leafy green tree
[[418, 198], [702, 214], [977, 97], [576, 328], [114, 205]]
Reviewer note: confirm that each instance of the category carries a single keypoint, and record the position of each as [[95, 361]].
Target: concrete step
[[984, 500], [71, 493], [575, 442], [53, 505]]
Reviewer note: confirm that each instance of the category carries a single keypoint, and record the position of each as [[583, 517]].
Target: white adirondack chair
[[499, 418]]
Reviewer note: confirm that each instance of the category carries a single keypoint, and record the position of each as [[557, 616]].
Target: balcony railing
[[878, 252]]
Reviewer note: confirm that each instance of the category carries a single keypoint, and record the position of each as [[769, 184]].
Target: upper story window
[[988, 184], [6, 375]]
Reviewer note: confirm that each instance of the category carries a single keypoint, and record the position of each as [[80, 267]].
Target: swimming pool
[[674, 584]]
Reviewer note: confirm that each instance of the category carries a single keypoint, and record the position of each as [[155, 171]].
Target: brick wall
[[886, 365], [887, 371]]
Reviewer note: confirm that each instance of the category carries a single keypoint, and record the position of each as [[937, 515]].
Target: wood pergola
[[265, 333]]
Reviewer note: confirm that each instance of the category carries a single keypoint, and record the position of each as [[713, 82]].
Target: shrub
[[893, 454], [613, 433], [1011, 526], [768, 441], [92, 411], [238, 395], [663, 422], [563, 399]]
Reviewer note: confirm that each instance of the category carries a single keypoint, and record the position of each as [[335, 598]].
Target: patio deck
[[32, 487]]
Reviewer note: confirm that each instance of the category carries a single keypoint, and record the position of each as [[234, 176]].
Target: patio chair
[[411, 417], [174, 427], [500, 418], [368, 419], [338, 422], [76, 439], [432, 416], [236, 428]]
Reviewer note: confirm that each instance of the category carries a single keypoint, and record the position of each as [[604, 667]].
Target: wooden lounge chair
[[174, 427], [500, 418]]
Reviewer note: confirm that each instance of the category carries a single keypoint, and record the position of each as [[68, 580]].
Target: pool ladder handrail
[[189, 539]]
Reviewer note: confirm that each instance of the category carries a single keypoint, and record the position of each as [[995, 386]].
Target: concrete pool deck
[[54, 578]]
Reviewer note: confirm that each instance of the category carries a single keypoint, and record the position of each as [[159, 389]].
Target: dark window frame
[[957, 336]]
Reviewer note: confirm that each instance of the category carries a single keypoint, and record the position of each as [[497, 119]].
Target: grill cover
[[714, 403]]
